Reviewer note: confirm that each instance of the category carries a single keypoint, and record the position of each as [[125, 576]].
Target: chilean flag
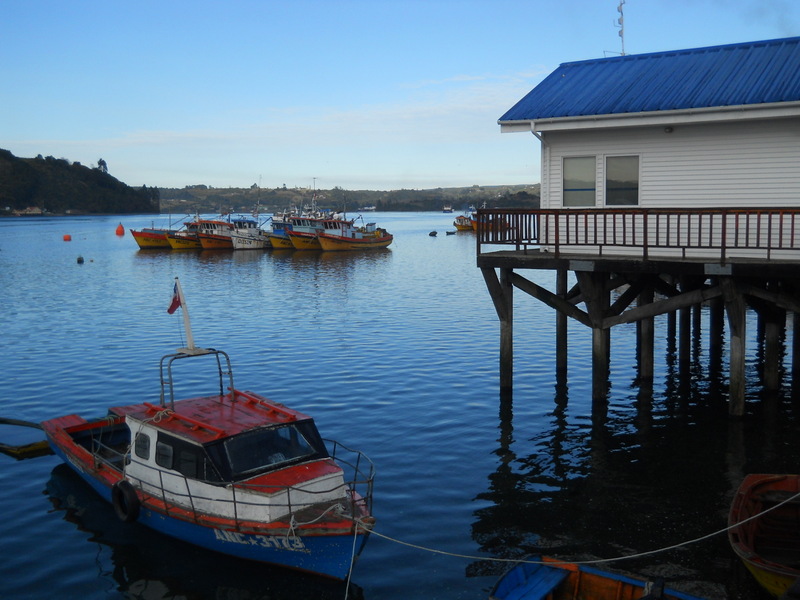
[[176, 300]]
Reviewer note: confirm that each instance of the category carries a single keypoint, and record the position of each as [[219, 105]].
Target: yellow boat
[[280, 241], [768, 545], [149, 238], [303, 240]]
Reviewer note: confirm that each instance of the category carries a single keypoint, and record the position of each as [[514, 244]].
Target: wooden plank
[[552, 300]]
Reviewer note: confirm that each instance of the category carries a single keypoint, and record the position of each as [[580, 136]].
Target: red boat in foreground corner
[[769, 544], [232, 472]]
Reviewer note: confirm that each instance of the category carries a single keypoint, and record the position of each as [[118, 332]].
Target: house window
[[622, 180], [580, 188]]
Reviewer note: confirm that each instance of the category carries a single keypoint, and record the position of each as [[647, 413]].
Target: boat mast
[[187, 325]]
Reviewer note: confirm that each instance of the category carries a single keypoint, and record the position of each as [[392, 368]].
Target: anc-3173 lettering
[[279, 542]]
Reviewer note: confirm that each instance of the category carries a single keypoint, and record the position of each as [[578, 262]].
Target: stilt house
[[671, 177]]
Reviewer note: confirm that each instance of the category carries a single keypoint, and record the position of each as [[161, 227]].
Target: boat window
[[269, 448], [187, 459], [142, 446], [163, 455]]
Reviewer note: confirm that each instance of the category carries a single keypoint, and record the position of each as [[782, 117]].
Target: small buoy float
[[80, 260], [67, 237], [120, 229]]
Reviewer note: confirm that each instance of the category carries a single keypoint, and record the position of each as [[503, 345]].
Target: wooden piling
[[735, 309], [646, 338], [561, 324]]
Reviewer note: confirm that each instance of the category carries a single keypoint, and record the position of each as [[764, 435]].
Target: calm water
[[394, 353]]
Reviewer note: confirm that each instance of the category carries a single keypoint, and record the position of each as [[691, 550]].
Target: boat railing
[[359, 471], [110, 456], [707, 232], [356, 491], [168, 382]]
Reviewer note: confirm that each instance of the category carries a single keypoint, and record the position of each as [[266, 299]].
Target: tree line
[[50, 185]]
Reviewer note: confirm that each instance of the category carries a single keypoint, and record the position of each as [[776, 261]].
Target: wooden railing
[[707, 232]]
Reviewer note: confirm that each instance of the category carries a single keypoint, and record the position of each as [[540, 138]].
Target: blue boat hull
[[328, 555]]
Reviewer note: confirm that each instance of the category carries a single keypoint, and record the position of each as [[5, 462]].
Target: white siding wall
[[745, 163]]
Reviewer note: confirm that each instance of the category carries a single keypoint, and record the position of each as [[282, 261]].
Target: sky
[[362, 95]]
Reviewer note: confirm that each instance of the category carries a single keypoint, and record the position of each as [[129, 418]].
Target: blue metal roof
[[730, 75]]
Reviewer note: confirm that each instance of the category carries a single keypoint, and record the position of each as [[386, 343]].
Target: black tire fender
[[126, 502]]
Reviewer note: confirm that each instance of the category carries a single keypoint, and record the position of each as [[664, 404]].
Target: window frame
[[567, 192], [620, 190]]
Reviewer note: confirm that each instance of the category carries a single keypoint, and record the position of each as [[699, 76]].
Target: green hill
[[56, 186], [204, 199]]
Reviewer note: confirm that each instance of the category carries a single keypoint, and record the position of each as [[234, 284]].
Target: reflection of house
[[684, 165]]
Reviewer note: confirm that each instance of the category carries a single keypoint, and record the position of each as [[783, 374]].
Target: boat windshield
[[267, 449]]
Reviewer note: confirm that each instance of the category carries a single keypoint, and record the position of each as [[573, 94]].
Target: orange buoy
[[67, 237], [120, 229]]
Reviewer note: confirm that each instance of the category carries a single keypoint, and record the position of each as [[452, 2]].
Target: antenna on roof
[[621, 25]]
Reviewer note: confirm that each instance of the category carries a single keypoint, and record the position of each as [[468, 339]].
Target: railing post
[[645, 237], [724, 242]]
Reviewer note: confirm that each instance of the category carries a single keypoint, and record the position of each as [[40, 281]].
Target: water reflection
[[143, 564], [633, 479]]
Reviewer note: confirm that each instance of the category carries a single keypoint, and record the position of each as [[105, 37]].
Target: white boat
[[247, 235]]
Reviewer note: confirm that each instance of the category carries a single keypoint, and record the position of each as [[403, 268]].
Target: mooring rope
[[578, 562]]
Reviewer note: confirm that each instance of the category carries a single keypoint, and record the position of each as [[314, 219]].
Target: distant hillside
[[204, 199], [56, 186]]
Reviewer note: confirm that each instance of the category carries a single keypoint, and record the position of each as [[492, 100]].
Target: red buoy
[[67, 237], [120, 229]]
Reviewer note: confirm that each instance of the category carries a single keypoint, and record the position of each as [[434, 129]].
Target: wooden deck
[[659, 261]]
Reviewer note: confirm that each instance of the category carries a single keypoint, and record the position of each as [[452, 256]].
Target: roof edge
[[772, 110]]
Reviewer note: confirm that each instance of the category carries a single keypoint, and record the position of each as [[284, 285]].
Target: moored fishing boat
[[151, 237], [232, 471], [186, 238], [463, 223], [348, 237], [215, 234], [305, 231], [556, 580], [247, 235], [768, 544], [278, 238]]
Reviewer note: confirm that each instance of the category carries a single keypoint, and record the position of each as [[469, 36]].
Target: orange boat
[[769, 544], [347, 237], [552, 579], [215, 235], [463, 223]]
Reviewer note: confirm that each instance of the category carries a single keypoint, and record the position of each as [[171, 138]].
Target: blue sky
[[377, 94]]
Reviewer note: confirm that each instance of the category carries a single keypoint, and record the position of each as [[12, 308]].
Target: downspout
[[544, 184], [539, 137]]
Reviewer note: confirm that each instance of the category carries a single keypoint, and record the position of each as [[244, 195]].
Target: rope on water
[[579, 562]]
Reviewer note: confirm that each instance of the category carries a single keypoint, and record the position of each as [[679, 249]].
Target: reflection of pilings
[[796, 355], [774, 322], [716, 327], [561, 324]]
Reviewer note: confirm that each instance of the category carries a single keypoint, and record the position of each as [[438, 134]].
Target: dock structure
[[633, 264]]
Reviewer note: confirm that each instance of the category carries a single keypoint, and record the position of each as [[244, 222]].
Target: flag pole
[[186, 322]]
